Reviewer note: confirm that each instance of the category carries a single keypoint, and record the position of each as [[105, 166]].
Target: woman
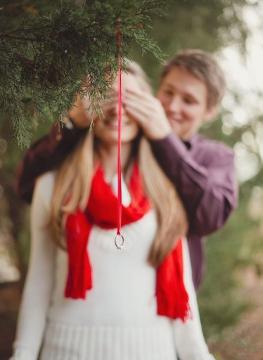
[[86, 299]]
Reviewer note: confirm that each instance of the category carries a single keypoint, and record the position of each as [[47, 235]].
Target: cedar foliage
[[47, 50]]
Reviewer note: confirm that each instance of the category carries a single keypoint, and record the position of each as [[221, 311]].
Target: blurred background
[[231, 297]]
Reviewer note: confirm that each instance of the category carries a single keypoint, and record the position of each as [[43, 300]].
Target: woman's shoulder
[[44, 186], [46, 180]]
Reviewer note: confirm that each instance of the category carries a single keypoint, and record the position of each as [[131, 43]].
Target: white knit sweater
[[118, 318]]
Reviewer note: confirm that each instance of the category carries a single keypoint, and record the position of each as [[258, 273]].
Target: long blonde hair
[[73, 185]]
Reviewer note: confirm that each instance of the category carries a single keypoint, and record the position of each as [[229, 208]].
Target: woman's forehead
[[129, 81]]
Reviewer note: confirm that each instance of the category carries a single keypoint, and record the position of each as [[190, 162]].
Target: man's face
[[184, 99]]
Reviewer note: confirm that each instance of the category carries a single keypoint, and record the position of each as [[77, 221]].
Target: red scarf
[[172, 298]]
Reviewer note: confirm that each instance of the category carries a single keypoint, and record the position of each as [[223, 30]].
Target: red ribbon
[[118, 43]]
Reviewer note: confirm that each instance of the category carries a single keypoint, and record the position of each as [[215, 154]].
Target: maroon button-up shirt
[[202, 170]]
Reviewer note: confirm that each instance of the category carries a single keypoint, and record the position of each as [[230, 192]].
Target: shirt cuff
[[22, 354]]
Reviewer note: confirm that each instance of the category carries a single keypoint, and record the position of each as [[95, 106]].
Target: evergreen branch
[[13, 37], [45, 57]]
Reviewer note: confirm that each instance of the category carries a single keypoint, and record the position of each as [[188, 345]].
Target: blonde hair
[[73, 185]]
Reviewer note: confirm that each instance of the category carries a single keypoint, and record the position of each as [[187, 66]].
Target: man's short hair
[[203, 66]]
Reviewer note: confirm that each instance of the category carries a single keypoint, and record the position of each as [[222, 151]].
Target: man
[[202, 170]]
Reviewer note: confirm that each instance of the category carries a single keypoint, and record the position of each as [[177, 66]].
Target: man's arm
[[49, 152], [44, 155], [208, 192]]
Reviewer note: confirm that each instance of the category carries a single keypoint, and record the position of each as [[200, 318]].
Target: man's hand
[[83, 115], [79, 113], [148, 112]]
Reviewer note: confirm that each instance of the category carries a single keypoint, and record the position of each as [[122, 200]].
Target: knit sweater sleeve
[[38, 287], [188, 335]]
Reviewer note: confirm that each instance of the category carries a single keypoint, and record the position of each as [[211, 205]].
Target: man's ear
[[211, 113]]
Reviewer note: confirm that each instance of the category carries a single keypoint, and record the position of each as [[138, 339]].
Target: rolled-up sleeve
[[189, 339], [39, 282], [44, 155]]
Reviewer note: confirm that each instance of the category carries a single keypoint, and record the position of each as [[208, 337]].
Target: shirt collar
[[191, 142]]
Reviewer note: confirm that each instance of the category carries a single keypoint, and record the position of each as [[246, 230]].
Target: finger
[[140, 95], [142, 107], [139, 102], [137, 114], [109, 102]]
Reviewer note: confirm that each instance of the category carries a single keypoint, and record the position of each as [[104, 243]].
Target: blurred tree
[[238, 245], [205, 24]]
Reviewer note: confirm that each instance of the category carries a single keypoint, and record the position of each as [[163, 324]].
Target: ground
[[244, 341]]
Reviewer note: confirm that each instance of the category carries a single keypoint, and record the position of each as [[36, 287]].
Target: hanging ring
[[119, 241]]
